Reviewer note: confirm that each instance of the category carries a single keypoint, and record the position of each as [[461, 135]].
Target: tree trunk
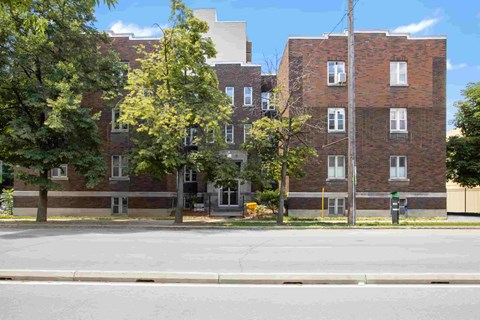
[[42, 200], [281, 203], [179, 208]]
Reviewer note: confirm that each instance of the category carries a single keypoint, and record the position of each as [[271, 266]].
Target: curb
[[204, 227], [240, 278]]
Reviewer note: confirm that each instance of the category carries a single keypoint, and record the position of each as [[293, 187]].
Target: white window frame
[[335, 206], [396, 120], [336, 175], [266, 98], [232, 103], [121, 209], [335, 72], [395, 78], [191, 134], [122, 169], [247, 96], [397, 168], [246, 131], [116, 126], [189, 174], [227, 134], [334, 111], [60, 173]]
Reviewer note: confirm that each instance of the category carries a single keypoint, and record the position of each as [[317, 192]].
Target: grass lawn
[[257, 221]]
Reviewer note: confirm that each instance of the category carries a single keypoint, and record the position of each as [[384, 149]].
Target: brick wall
[[424, 99]]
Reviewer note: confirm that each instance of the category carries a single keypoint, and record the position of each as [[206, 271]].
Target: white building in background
[[230, 37]]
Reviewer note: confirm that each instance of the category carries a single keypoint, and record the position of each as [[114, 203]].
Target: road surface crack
[[249, 251]]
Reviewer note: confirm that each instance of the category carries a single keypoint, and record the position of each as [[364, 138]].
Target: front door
[[228, 196]]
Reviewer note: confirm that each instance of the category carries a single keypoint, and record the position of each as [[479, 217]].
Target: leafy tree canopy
[[174, 103], [463, 152], [45, 71]]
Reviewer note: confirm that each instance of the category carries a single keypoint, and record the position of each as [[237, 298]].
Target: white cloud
[[120, 27], [417, 27], [451, 66]]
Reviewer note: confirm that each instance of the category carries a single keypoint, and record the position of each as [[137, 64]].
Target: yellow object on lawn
[[251, 206]]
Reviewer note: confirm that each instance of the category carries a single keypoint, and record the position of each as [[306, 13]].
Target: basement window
[[120, 205], [336, 206]]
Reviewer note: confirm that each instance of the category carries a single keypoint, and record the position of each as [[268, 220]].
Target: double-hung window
[[190, 175], [266, 105], [119, 167], [336, 206], [230, 91], [60, 172], [398, 73], [336, 167], [246, 132], [247, 96], [336, 72], [336, 120], [116, 125], [398, 167], [398, 120], [229, 133], [190, 136], [120, 205]]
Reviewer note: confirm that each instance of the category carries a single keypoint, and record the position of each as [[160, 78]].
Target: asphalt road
[[47, 301], [316, 251]]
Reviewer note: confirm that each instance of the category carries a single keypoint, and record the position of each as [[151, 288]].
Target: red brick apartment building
[[400, 129], [400, 121]]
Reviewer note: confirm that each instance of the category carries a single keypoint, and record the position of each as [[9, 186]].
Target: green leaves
[[463, 153], [51, 56], [173, 92]]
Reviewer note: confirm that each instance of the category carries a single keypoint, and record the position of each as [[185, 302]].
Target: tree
[[44, 74], [175, 106], [463, 152], [281, 141]]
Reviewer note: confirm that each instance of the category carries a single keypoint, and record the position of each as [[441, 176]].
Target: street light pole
[[352, 169]]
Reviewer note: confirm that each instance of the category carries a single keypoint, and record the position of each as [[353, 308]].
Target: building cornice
[[386, 32]]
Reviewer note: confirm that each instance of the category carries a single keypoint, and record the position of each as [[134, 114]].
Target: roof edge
[[386, 32]]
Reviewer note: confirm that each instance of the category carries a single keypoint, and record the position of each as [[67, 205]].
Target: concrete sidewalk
[[239, 278]]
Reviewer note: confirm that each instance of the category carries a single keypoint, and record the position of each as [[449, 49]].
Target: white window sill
[[398, 85], [336, 179], [337, 85], [398, 131], [119, 179], [398, 180], [189, 181], [60, 178], [248, 105], [336, 131]]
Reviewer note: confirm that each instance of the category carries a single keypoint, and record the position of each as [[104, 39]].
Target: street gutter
[[240, 278]]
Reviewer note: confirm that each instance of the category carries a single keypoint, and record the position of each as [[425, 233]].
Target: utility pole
[[352, 168]]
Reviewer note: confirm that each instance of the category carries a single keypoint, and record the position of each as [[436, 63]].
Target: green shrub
[[6, 201], [269, 198]]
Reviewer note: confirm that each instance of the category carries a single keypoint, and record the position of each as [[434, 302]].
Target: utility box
[[395, 207]]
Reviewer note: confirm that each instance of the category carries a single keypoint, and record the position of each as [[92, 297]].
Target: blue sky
[[270, 22]]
